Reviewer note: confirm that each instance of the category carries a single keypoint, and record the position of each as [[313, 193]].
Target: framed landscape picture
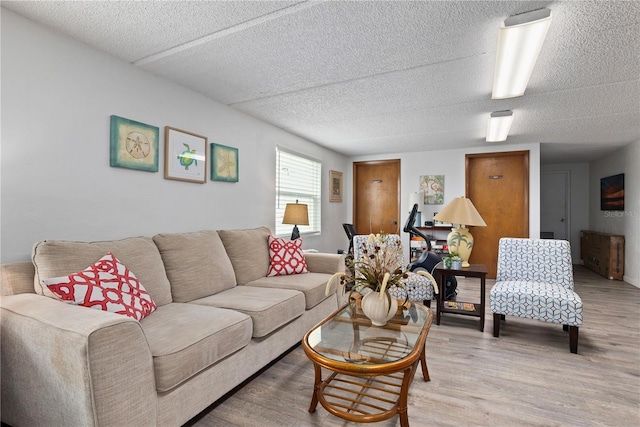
[[612, 193], [224, 163], [185, 155], [134, 145]]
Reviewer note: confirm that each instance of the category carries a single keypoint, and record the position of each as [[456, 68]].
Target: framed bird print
[[224, 163], [185, 156], [433, 188], [134, 145]]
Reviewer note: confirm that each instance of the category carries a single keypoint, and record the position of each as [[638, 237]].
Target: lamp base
[[295, 233], [460, 241]]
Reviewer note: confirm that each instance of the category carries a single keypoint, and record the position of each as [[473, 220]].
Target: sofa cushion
[[187, 338], [248, 251], [550, 302], [285, 257], [312, 285], [54, 258], [196, 264], [269, 308], [106, 285]]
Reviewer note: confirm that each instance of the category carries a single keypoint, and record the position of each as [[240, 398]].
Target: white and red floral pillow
[[106, 285], [286, 257]]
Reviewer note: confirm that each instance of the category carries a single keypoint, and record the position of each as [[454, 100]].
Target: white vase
[[379, 311]]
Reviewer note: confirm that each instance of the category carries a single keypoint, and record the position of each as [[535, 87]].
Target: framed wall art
[[335, 179], [224, 163], [185, 156], [134, 145], [612, 193], [433, 187]]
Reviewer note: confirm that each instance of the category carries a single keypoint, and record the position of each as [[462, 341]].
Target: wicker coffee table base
[[366, 398]]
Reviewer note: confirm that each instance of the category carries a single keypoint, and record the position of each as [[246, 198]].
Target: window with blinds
[[297, 178]]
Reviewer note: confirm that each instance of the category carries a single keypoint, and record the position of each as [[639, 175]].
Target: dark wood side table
[[461, 307]]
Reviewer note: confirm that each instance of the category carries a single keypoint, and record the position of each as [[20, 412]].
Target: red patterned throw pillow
[[286, 257], [106, 285]]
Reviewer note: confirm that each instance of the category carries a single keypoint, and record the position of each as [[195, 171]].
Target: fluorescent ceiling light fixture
[[499, 125], [519, 43]]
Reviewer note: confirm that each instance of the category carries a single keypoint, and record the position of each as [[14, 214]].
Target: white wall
[[578, 201], [56, 182], [451, 164], [627, 222]]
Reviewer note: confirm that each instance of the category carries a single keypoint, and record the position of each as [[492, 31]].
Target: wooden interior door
[[498, 186], [376, 196]]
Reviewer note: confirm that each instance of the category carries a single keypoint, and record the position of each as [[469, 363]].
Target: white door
[[554, 204]]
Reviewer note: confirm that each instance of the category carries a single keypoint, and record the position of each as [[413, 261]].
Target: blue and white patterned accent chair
[[535, 280], [418, 287]]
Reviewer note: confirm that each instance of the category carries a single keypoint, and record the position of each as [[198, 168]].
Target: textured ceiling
[[382, 76]]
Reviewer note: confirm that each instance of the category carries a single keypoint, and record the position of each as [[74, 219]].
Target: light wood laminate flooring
[[527, 377]]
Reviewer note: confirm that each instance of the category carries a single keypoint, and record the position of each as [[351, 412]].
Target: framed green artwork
[[224, 163], [185, 155], [134, 145], [433, 187]]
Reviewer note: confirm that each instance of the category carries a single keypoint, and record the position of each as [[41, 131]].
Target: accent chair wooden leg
[[496, 324], [565, 328], [573, 339], [427, 303], [503, 317]]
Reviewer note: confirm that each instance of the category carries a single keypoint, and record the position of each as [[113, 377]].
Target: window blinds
[[297, 178]]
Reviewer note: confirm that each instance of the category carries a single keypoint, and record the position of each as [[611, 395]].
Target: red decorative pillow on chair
[[286, 257], [106, 285]]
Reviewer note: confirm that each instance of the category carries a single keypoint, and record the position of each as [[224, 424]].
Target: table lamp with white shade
[[460, 211]]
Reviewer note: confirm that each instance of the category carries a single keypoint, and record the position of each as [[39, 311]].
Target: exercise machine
[[428, 260]]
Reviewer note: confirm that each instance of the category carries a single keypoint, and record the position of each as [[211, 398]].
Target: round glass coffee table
[[370, 367]]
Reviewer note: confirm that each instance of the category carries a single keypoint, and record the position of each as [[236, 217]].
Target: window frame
[[291, 192]]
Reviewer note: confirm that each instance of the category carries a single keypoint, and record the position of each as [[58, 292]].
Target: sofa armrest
[[324, 263], [17, 278], [69, 365]]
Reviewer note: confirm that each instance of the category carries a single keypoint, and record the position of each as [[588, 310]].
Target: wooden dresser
[[602, 253]]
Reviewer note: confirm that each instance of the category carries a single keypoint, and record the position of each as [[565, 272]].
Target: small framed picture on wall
[[433, 188], [134, 145], [612, 193], [224, 163], [185, 156], [335, 179]]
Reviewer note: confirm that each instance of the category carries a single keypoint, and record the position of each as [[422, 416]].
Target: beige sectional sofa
[[218, 321]]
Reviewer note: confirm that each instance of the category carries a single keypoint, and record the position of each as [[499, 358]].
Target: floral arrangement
[[380, 267]]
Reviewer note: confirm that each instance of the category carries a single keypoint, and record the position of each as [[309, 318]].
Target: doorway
[[498, 186], [376, 196], [554, 205]]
